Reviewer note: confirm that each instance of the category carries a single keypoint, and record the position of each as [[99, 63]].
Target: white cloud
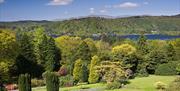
[[92, 10], [127, 5], [60, 2], [103, 11], [1, 1]]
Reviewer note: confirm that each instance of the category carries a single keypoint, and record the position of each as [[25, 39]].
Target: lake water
[[151, 36]]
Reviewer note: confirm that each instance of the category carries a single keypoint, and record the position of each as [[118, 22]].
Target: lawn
[[137, 84]]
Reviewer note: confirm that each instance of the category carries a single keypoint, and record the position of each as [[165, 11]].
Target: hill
[[94, 25]]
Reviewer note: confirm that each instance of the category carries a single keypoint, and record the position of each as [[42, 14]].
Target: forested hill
[[94, 25]]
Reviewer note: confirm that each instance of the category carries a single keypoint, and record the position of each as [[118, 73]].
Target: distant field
[[137, 84]]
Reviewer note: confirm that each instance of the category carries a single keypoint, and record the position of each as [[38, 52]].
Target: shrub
[[52, 81], [166, 69], [175, 85], [37, 82], [63, 71], [142, 73], [114, 85], [24, 82], [160, 85], [66, 81]]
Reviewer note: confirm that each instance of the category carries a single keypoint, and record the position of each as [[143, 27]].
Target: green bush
[[142, 73], [160, 85], [175, 85], [24, 82], [166, 69], [52, 81], [66, 81], [114, 85], [37, 82]]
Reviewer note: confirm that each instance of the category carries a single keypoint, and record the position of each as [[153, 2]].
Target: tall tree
[[142, 44], [78, 72], [93, 75], [47, 54]]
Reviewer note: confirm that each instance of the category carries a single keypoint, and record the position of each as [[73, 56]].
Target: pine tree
[[52, 81], [93, 75], [47, 54], [24, 82], [79, 71], [142, 44]]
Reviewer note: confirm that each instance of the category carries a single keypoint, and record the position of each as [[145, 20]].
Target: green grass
[[137, 84]]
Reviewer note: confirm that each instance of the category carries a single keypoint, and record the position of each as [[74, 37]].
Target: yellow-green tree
[[78, 71], [93, 75], [126, 54]]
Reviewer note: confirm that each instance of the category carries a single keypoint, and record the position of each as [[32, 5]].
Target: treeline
[[94, 25], [77, 60]]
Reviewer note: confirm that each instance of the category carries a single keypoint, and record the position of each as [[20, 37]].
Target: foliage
[[78, 71], [175, 85], [93, 75], [66, 81], [94, 25], [111, 71], [123, 50], [160, 85], [166, 69], [52, 81], [24, 82], [8, 45], [45, 50], [114, 85], [178, 68], [63, 71], [37, 82], [126, 54], [68, 46]]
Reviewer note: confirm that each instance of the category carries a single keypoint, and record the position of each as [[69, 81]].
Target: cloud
[[103, 11], [92, 10], [126, 5], [1, 1], [60, 2]]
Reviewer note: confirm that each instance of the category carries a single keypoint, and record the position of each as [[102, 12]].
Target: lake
[[151, 37]]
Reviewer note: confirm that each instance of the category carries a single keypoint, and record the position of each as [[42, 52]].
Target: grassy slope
[[138, 84]]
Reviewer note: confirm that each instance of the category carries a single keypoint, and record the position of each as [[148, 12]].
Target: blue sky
[[13, 10]]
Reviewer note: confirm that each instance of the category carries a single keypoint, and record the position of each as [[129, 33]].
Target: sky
[[15, 10]]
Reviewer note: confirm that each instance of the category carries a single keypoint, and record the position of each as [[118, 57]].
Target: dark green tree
[[24, 82], [170, 52], [142, 45], [52, 81], [83, 52], [47, 54], [53, 55]]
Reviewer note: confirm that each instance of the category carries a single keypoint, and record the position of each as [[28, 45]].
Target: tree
[[8, 45], [93, 75], [68, 46], [78, 72], [142, 45], [83, 52], [24, 82], [170, 52], [52, 81], [46, 51], [111, 71], [126, 53], [154, 58], [52, 56], [91, 45]]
